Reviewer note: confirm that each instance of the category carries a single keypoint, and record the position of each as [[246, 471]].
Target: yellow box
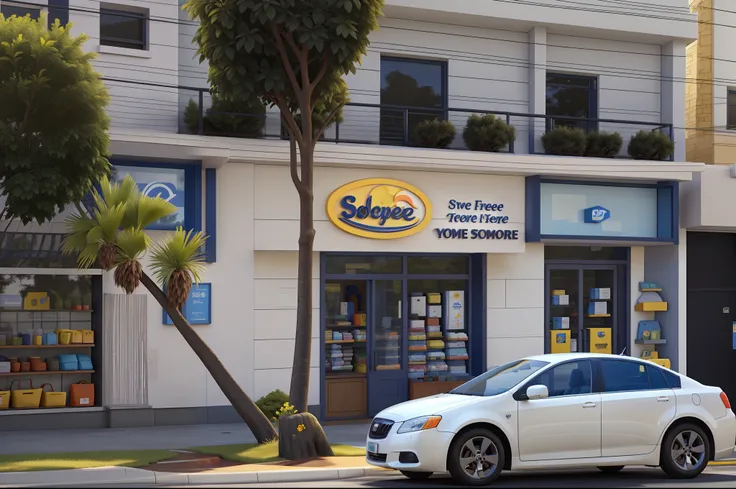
[[649, 354], [664, 362], [4, 399], [88, 336], [651, 306], [76, 336], [558, 292], [434, 298], [559, 341], [37, 301], [64, 336], [600, 340]]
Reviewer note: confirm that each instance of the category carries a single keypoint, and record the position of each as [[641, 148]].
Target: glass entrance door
[[581, 308], [387, 379]]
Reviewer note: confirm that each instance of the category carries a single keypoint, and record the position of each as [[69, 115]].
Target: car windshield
[[500, 379]]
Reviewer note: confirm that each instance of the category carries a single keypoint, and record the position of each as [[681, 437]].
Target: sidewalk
[[156, 437]]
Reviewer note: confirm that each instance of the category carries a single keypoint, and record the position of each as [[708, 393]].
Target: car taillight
[[724, 399]]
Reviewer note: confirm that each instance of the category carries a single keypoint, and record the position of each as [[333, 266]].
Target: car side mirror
[[537, 392]]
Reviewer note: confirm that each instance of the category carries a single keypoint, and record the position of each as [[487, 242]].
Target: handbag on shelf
[[25, 398], [52, 399], [82, 394]]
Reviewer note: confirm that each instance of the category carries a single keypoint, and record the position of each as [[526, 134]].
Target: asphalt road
[[723, 476]]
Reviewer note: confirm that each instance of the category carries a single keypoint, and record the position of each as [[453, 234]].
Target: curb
[[130, 476]]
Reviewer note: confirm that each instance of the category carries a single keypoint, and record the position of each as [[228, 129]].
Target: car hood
[[426, 406]]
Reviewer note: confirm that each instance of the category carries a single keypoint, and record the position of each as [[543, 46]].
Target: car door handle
[[663, 399], [587, 405]]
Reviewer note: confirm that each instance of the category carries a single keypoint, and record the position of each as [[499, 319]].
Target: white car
[[558, 411]]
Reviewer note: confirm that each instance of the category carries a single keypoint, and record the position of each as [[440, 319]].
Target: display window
[[48, 333], [395, 328]]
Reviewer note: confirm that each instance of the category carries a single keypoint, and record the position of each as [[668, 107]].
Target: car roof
[[562, 357]]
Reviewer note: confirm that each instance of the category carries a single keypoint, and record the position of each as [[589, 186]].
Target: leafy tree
[[53, 125], [114, 237], [291, 54]]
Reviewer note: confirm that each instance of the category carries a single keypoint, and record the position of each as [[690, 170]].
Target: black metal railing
[[33, 250], [394, 125]]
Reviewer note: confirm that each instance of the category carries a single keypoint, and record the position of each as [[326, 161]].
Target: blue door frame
[[621, 299], [476, 314]]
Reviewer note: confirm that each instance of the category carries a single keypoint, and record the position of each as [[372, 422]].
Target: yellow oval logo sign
[[379, 208]]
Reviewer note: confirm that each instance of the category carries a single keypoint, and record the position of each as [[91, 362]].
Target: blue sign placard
[[198, 307], [596, 214]]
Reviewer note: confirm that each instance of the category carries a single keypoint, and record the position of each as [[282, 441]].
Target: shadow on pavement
[[557, 479]]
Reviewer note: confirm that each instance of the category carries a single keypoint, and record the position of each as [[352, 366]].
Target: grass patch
[[81, 460], [268, 452]]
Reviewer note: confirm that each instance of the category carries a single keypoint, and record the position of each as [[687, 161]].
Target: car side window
[[623, 375], [656, 378], [673, 381], [568, 379]]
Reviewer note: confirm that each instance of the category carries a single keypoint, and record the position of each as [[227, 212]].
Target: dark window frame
[[731, 109], [442, 111], [27, 9], [125, 43], [593, 96]]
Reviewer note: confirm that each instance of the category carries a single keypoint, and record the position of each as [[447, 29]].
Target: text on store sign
[[476, 212]]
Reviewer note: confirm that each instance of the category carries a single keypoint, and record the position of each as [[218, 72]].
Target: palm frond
[[131, 243], [180, 250], [144, 211], [109, 220], [78, 226], [88, 256]]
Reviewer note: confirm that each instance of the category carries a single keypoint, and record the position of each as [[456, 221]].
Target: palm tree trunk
[[261, 427]]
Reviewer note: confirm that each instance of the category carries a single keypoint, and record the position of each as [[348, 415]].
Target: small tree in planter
[[651, 145], [565, 141], [603, 144], [435, 134], [488, 133], [241, 118]]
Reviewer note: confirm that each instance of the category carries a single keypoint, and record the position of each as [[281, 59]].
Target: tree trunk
[[302, 437], [261, 427], [299, 389]]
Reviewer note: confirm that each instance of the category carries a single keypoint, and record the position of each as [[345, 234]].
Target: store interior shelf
[[651, 342], [44, 347], [47, 372], [39, 311], [599, 315], [337, 342]]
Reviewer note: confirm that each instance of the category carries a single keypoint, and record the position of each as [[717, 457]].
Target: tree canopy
[[289, 53], [53, 125]]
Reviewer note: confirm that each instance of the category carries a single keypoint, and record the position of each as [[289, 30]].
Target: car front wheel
[[685, 451], [476, 458]]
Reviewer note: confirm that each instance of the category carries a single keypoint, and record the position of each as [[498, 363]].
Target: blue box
[[600, 293], [561, 323], [49, 339], [561, 300], [68, 362], [85, 362]]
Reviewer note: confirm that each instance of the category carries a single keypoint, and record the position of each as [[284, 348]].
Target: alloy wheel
[[688, 451], [479, 457]]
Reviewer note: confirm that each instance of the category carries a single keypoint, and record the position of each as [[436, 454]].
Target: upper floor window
[[415, 91], [19, 10], [572, 96], [123, 28], [731, 110]]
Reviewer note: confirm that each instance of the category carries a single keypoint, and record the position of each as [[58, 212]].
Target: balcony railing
[[394, 125]]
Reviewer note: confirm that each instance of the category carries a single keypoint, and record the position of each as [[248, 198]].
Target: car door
[[565, 425], [637, 406]]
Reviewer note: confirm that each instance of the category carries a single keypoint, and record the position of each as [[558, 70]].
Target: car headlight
[[420, 424]]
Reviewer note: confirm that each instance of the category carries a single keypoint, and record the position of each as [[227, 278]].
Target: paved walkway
[[163, 437]]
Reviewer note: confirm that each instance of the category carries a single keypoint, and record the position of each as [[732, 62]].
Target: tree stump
[[301, 436]]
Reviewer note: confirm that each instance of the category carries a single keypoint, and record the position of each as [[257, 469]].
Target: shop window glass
[[419, 86], [731, 110], [571, 96], [621, 375], [166, 183], [122, 28], [584, 253], [438, 265], [568, 379], [356, 264]]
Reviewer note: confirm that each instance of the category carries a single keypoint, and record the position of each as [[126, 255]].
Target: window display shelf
[[43, 347], [651, 342], [47, 372], [39, 311], [334, 342], [599, 315]]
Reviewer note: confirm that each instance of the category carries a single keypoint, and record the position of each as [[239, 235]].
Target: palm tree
[[114, 237]]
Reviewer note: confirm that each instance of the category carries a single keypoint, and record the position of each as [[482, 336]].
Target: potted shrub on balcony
[[651, 145], [488, 133], [434, 134], [603, 144], [565, 141]]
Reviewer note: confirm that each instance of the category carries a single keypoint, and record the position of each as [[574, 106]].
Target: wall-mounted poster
[[198, 307]]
